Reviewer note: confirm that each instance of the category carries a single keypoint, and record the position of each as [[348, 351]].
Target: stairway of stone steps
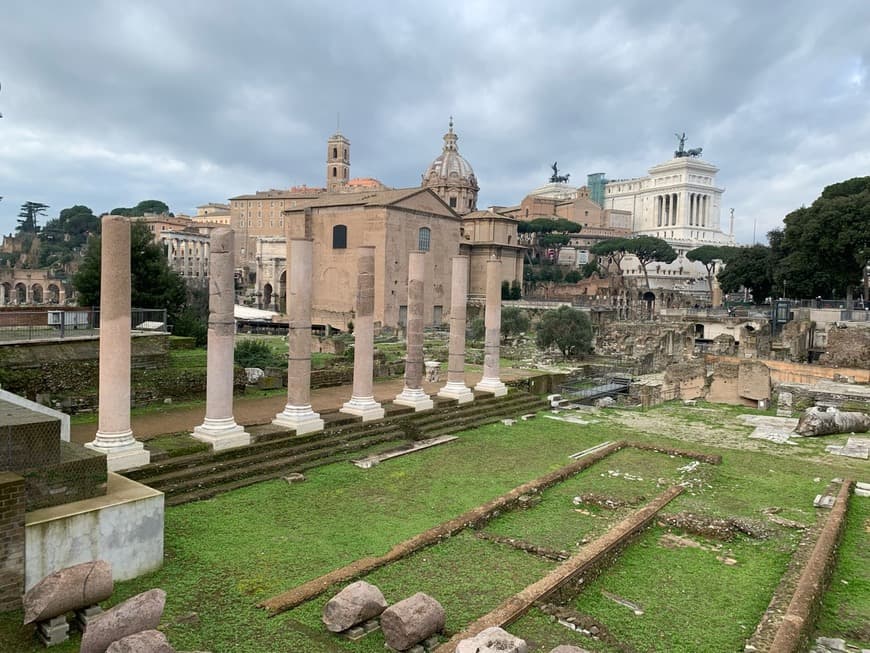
[[274, 453]]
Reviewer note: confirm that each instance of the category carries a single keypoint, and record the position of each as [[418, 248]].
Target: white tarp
[[249, 313]]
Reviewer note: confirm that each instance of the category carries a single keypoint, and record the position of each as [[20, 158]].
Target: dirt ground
[[260, 410]]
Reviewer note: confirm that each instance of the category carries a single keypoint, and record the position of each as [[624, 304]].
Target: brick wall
[[11, 540]]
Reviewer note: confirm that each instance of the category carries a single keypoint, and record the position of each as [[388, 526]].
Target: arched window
[[423, 237], [335, 153], [339, 237], [335, 172]]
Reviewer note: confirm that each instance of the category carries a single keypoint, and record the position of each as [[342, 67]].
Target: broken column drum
[[455, 387], [114, 435], [490, 381], [297, 414], [219, 427], [362, 401], [412, 394]]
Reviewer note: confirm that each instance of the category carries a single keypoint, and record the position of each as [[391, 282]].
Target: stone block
[[68, 589], [565, 648], [52, 632], [411, 621], [753, 380], [146, 641], [355, 604], [492, 640], [141, 612]]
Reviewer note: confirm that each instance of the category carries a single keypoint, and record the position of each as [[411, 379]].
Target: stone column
[[114, 436], [490, 381], [297, 414], [219, 428], [455, 387], [412, 394], [362, 401]]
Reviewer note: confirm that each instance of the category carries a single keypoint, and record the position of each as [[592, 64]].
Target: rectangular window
[[403, 316], [437, 315]]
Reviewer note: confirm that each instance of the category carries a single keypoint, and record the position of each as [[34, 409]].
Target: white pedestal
[[221, 434], [416, 399], [365, 407], [122, 450], [458, 391], [299, 418], [496, 387]]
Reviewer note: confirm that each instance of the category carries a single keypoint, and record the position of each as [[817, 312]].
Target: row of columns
[[33, 294], [697, 209], [114, 435]]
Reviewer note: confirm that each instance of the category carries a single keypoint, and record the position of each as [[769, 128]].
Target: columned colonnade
[[114, 435], [692, 208]]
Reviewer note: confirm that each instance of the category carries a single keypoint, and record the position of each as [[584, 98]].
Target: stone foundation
[[11, 541]]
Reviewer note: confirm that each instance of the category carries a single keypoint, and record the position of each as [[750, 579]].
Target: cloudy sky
[[108, 103]]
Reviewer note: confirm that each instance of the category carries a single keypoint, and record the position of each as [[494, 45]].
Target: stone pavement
[[261, 410]]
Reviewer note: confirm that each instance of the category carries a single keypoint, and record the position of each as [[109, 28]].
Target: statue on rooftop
[[556, 178]]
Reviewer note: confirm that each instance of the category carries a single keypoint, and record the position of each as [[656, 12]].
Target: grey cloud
[[221, 98]]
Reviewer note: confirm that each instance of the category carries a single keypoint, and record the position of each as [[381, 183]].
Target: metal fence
[[44, 324]]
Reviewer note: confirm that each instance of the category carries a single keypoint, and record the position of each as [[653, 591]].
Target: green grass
[[226, 554], [846, 607], [187, 358]]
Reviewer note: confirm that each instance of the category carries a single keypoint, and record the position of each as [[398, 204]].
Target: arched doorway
[[5, 293], [53, 294], [649, 305], [20, 293], [282, 292], [267, 295], [36, 294]]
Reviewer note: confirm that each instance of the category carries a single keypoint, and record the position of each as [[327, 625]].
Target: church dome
[[452, 177]]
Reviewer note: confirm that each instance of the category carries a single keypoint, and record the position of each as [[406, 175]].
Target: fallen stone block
[[68, 589], [147, 641], [138, 613], [357, 603], [492, 640], [411, 621], [822, 420], [824, 501]]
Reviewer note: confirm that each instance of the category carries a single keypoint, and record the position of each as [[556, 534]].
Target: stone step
[[204, 475], [276, 466], [164, 477]]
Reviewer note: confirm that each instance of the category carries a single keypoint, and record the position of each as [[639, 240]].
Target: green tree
[[64, 236], [514, 321], [612, 249], [154, 283], [516, 290], [30, 212], [825, 246], [568, 329], [573, 276], [709, 256], [143, 207], [549, 232], [505, 290], [648, 249], [752, 268]]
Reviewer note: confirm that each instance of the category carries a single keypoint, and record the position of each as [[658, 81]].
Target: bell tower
[[337, 162]]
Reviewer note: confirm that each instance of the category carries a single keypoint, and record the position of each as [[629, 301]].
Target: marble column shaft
[[492, 322], [297, 414], [413, 394], [455, 387], [114, 435], [220, 428], [362, 401]]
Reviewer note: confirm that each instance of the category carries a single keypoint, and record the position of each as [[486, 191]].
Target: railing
[[44, 324]]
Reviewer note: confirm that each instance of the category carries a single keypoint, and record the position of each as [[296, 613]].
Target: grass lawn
[[228, 553]]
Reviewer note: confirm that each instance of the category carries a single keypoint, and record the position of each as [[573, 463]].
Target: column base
[[365, 407], [496, 387], [414, 398], [458, 391], [130, 453], [221, 434], [299, 418]]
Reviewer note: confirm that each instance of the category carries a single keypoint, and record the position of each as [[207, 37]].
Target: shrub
[[254, 353]]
